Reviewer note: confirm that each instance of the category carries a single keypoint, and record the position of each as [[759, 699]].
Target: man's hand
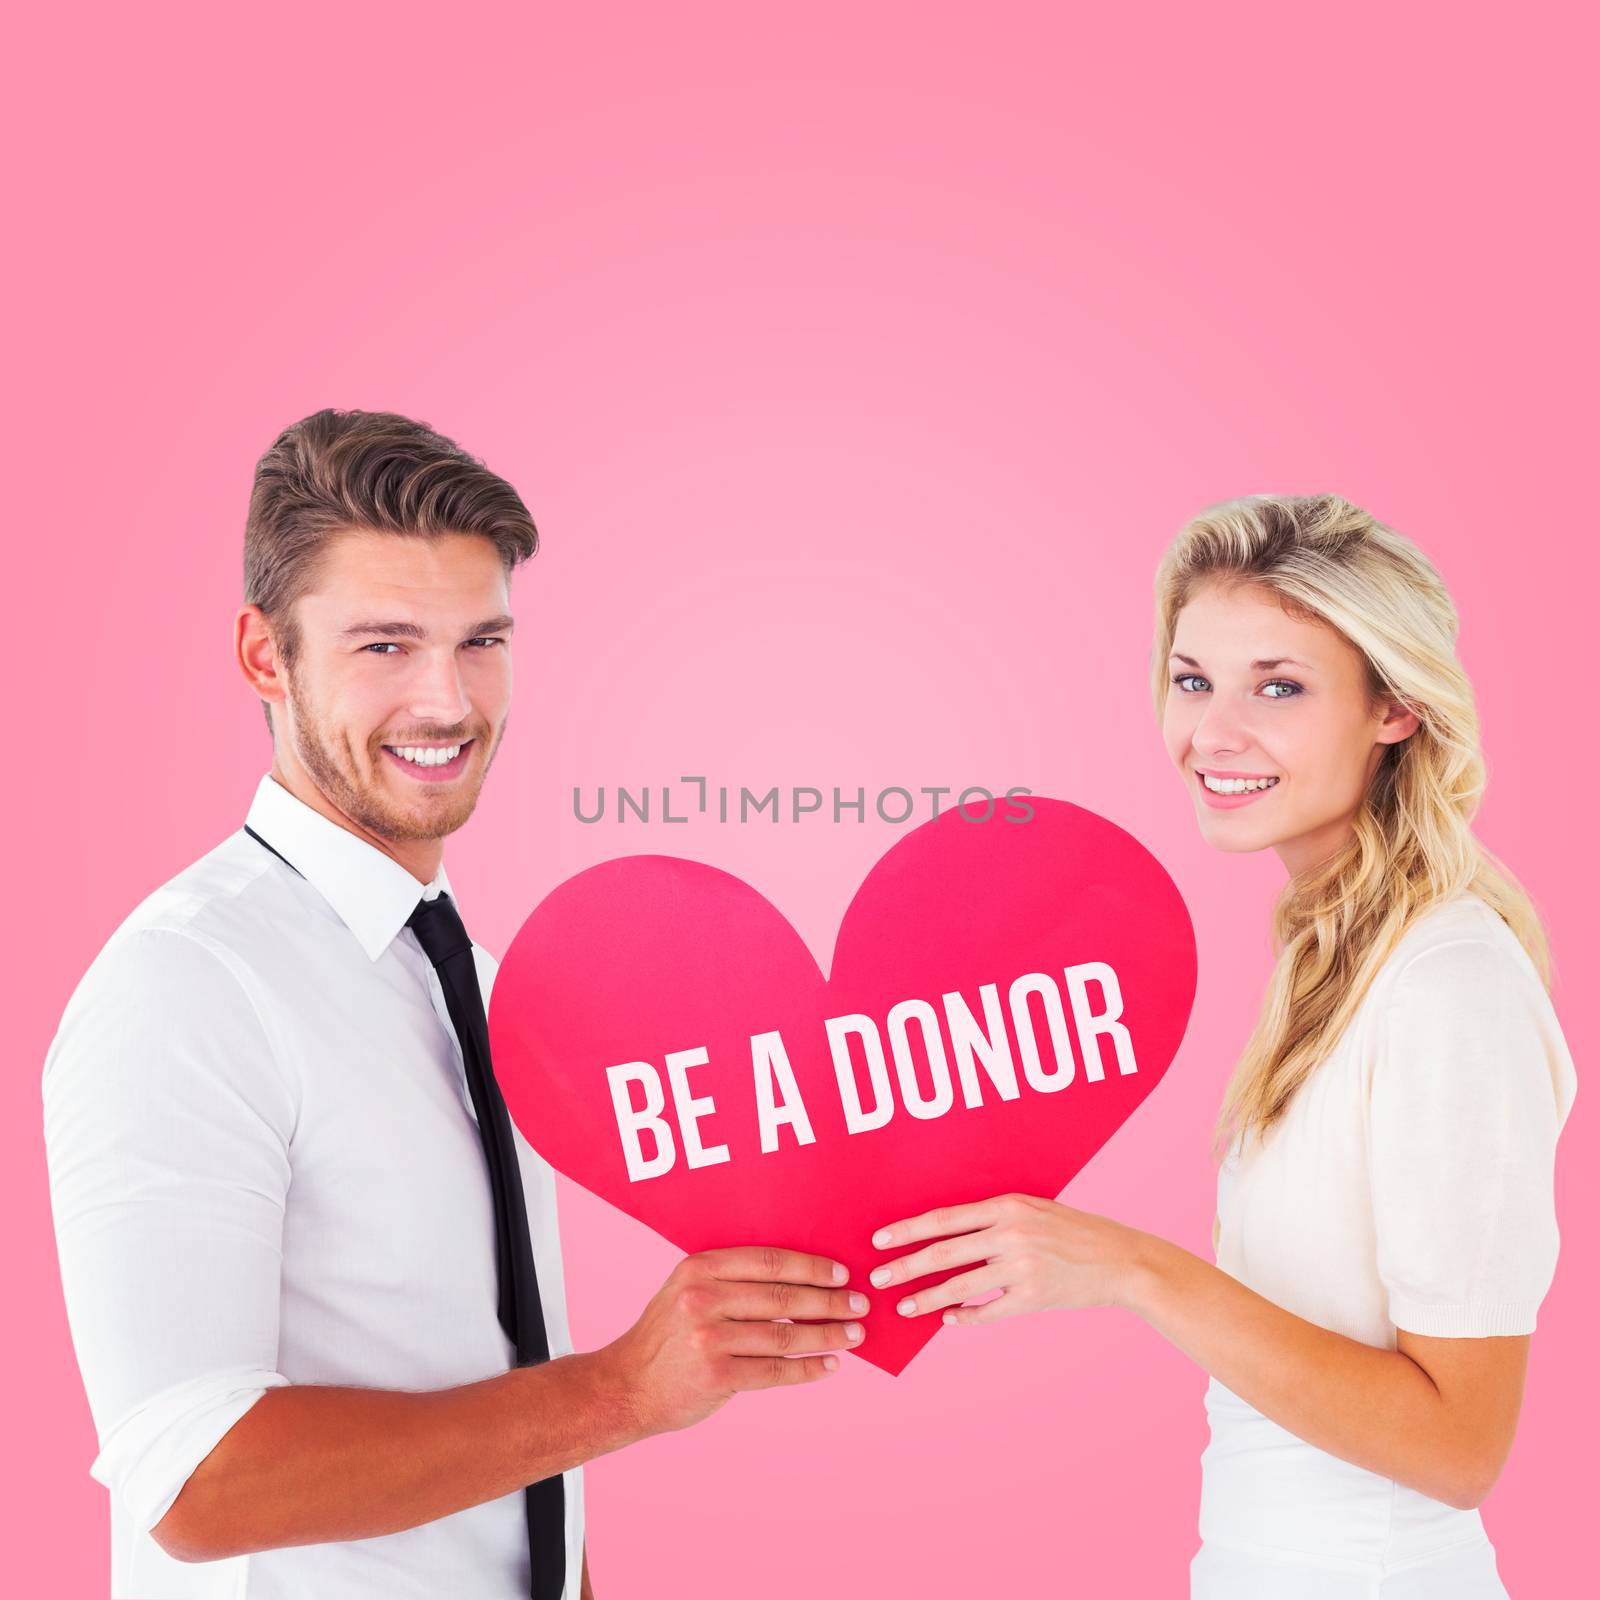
[[314, 1463], [713, 1329]]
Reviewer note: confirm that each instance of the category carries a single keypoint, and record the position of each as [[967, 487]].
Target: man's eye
[[486, 641], [382, 644]]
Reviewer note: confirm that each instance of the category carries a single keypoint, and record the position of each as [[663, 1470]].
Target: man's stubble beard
[[363, 806]]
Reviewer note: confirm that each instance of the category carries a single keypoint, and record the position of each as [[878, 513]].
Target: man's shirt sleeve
[[167, 1122]]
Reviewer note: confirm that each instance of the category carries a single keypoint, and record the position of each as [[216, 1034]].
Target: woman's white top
[[1409, 1184]]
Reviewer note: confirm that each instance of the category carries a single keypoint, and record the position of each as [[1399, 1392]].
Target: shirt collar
[[372, 893]]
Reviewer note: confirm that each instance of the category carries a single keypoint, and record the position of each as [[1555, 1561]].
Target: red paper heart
[[646, 955]]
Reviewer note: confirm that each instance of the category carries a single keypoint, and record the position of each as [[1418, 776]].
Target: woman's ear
[[1398, 723]]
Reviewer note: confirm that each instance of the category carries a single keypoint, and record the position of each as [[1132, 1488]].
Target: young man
[[312, 1272]]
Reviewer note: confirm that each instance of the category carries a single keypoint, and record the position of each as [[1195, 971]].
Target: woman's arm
[[1435, 1414]]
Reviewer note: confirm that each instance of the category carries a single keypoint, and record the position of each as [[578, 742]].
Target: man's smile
[[430, 763]]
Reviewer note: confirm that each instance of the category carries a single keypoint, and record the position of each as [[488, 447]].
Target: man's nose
[[436, 691]]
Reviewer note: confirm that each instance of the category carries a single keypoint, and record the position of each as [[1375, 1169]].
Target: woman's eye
[[1288, 684]]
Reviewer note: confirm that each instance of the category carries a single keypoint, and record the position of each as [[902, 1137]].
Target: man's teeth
[[427, 758], [1235, 785]]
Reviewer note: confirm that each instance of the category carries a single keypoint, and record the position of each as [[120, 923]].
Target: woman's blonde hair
[[1333, 925]]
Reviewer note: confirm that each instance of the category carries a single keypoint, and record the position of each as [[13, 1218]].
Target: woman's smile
[[1233, 789]]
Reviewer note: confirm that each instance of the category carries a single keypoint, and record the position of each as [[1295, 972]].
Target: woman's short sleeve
[[1471, 1083]]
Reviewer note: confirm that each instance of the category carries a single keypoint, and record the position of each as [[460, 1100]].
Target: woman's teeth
[[1235, 785], [427, 758]]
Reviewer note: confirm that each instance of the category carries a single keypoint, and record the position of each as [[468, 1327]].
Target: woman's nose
[[1221, 731]]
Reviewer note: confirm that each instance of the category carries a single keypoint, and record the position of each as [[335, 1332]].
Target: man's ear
[[256, 651]]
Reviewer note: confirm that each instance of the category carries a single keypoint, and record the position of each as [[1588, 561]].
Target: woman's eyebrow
[[1265, 665]]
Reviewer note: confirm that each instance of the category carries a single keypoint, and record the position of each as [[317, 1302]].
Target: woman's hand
[[1040, 1255]]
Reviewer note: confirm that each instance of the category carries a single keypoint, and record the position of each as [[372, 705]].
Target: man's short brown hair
[[336, 471]]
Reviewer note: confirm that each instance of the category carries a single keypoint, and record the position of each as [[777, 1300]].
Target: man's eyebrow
[[396, 630], [410, 630], [504, 623], [1265, 665]]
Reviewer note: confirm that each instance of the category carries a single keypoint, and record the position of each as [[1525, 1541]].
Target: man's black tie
[[439, 930]]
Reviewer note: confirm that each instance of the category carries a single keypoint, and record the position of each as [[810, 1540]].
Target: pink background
[[856, 363]]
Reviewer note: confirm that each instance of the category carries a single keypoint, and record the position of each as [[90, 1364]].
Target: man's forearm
[[309, 1464]]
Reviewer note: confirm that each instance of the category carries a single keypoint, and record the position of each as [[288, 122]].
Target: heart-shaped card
[[1003, 994]]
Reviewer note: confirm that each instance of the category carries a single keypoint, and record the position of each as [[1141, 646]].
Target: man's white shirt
[[265, 1169]]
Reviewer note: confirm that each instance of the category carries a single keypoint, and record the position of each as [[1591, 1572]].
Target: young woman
[[1386, 1226]]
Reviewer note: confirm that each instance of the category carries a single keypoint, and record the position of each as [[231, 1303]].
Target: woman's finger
[[935, 1224], [964, 1286], [989, 1311], [961, 1251]]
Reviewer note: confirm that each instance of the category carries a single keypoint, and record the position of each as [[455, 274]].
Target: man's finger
[[769, 1264], [761, 1302], [788, 1338], [772, 1372]]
